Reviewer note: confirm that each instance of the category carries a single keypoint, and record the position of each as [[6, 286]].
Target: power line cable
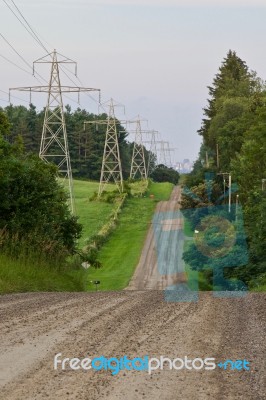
[[21, 57], [16, 65], [82, 84], [65, 73], [15, 97], [38, 40], [34, 33], [13, 48]]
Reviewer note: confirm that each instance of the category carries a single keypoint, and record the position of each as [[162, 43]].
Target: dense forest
[[234, 142], [85, 144]]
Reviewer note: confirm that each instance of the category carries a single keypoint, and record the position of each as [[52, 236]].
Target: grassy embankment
[[92, 214], [28, 274], [120, 254]]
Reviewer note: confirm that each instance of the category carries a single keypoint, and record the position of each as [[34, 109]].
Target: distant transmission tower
[[111, 164], [168, 153], [162, 153], [138, 164], [54, 142], [153, 150], [165, 153]]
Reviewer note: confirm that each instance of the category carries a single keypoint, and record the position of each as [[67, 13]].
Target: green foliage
[[33, 205], [197, 200], [4, 125], [233, 97], [164, 174], [235, 123], [137, 188], [86, 146]]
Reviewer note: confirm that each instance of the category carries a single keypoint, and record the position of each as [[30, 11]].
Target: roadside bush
[[33, 207]]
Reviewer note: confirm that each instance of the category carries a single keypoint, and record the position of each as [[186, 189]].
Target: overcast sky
[[154, 56]]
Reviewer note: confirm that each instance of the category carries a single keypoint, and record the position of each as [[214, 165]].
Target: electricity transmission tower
[[168, 155], [162, 152], [111, 164], [138, 164], [165, 153], [54, 142], [153, 151]]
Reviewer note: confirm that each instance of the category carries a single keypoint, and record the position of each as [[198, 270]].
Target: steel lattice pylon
[[153, 150], [54, 141], [138, 164], [111, 164], [165, 154]]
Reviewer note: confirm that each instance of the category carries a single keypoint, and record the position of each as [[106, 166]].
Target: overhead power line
[[64, 69], [34, 35], [33, 32], [4, 100], [15, 97], [30, 31], [13, 48], [21, 57], [16, 65]]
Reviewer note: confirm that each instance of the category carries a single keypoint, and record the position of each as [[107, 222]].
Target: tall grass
[[21, 275], [32, 263]]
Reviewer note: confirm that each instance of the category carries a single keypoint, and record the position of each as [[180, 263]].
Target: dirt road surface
[[35, 327], [166, 239]]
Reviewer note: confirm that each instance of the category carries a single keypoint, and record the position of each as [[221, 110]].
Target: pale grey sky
[[155, 56]]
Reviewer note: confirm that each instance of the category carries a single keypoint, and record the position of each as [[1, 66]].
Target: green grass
[[92, 214], [161, 191], [121, 253], [17, 276]]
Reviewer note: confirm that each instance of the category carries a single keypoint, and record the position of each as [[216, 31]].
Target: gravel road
[[35, 327]]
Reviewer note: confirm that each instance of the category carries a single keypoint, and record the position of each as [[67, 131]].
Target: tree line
[[86, 145], [233, 135]]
